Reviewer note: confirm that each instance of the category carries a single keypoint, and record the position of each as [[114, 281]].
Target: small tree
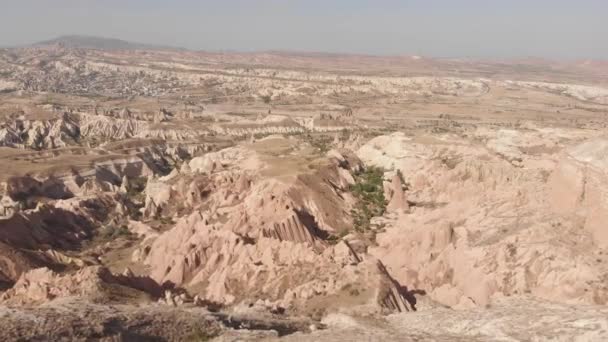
[[266, 98]]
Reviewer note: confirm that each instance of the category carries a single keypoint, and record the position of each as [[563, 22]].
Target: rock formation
[[398, 199], [577, 190], [481, 228]]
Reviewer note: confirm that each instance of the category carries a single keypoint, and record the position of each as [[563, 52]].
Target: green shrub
[[112, 232], [322, 143], [166, 220], [136, 187], [266, 98], [369, 192]]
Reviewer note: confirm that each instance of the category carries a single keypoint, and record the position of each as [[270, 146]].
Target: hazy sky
[[443, 28]]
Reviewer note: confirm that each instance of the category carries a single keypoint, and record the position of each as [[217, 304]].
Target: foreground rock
[[94, 283], [544, 321], [80, 321]]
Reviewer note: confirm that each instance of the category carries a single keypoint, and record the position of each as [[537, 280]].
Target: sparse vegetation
[[49, 99], [345, 134], [258, 136], [266, 98], [166, 220], [351, 290], [136, 196], [334, 239], [136, 187], [322, 143], [200, 335], [112, 232], [369, 192]]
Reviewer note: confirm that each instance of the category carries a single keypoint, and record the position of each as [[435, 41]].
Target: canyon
[[170, 195]]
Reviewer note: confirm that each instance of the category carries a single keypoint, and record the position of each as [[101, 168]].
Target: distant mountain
[[100, 43]]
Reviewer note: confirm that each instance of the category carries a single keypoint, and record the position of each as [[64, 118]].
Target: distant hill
[[100, 43]]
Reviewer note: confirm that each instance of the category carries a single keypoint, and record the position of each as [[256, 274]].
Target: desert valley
[[171, 195]]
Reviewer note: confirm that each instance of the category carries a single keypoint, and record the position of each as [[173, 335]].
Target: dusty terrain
[[175, 195]]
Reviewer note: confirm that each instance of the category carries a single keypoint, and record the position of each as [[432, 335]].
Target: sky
[[557, 29]]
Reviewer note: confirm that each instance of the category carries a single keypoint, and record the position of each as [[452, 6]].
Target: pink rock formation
[[222, 266], [93, 283], [398, 199], [264, 238], [577, 187], [482, 227]]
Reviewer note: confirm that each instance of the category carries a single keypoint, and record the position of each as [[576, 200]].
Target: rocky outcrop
[[14, 262], [225, 267], [65, 225], [103, 127], [582, 92], [254, 237], [398, 200], [293, 229], [77, 320], [481, 227], [8, 207], [54, 132], [95, 283], [502, 320], [31, 228], [577, 187]]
